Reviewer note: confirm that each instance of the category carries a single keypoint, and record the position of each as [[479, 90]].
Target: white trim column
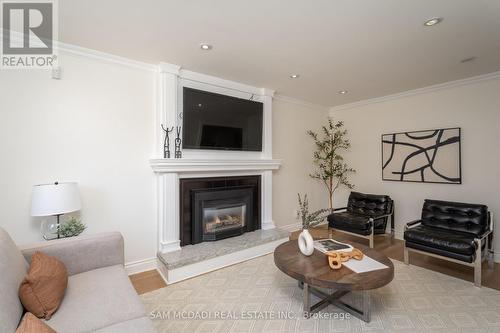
[[267, 200], [267, 143], [168, 212], [167, 183], [166, 112], [267, 152]]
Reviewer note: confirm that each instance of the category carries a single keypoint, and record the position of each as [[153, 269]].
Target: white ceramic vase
[[306, 243]]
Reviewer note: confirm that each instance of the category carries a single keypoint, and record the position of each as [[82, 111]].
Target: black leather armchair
[[364, 216], [457, 232]]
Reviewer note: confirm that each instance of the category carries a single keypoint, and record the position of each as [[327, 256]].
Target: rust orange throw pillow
[[31, 324], [42, 290]]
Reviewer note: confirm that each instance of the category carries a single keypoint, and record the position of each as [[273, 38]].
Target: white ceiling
[[371, 48]]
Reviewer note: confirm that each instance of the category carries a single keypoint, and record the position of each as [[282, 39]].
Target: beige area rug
[[255, 296]]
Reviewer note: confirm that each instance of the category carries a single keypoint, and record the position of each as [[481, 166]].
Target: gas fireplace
[[218, 208], [223, 218]]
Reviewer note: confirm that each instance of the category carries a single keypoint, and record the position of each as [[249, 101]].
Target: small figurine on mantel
[[166, 141], [178, 152]]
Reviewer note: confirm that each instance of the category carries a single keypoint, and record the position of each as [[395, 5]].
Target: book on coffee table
[[325, 245]]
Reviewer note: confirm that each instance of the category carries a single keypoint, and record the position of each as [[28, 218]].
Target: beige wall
[[473, 107], [290, 143], [95, 127]]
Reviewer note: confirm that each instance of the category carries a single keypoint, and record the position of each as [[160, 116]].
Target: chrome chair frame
[[487, 254], [371, 236]]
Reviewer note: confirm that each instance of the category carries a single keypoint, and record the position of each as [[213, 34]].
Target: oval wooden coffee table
[[314, 271]]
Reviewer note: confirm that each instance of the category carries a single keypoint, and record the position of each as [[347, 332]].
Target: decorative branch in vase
[[331, 169], [309, 220]]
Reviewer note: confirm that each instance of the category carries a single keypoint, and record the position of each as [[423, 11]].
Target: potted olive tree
[[331, 169]]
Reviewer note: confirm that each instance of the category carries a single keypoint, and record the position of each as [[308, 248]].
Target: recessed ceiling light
[[463, 61], [294, 76], [433, 21], [205, 46], [343, 92]]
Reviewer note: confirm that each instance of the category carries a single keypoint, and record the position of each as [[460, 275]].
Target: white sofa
[[99, 297]]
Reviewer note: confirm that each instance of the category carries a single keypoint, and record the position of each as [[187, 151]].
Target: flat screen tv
[[220, 122]]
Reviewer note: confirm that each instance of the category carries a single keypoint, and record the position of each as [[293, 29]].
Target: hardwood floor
[[393, 248], [147, 281]]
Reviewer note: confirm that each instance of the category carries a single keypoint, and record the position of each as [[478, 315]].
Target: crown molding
[[169, 68], [300, 102], [267, 92], [94, 54], [219, 82], [419, 91], [163, 67]]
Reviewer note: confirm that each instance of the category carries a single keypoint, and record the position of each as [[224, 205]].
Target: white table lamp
[[54, 200]]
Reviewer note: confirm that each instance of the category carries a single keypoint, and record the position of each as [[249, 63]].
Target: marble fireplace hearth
[[193, 260]]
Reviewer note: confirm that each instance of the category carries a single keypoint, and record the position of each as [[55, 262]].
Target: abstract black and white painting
[[431, 156]]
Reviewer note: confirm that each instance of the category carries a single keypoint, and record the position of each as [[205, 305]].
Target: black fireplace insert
[[215, 208]]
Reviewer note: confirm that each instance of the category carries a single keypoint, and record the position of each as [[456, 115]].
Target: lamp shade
[[55, 199]]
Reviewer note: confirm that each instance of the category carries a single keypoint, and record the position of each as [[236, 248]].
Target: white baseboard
[[496, 257], [139, 266], [291, 227], [192, 270], [268, 225], [160, 270]]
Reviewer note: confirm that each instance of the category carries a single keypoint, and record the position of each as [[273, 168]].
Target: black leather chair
[[365, 216], [454, 231]]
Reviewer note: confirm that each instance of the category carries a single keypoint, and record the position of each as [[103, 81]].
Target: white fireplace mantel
[[204, 163], [170, 171], [185, 165]]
